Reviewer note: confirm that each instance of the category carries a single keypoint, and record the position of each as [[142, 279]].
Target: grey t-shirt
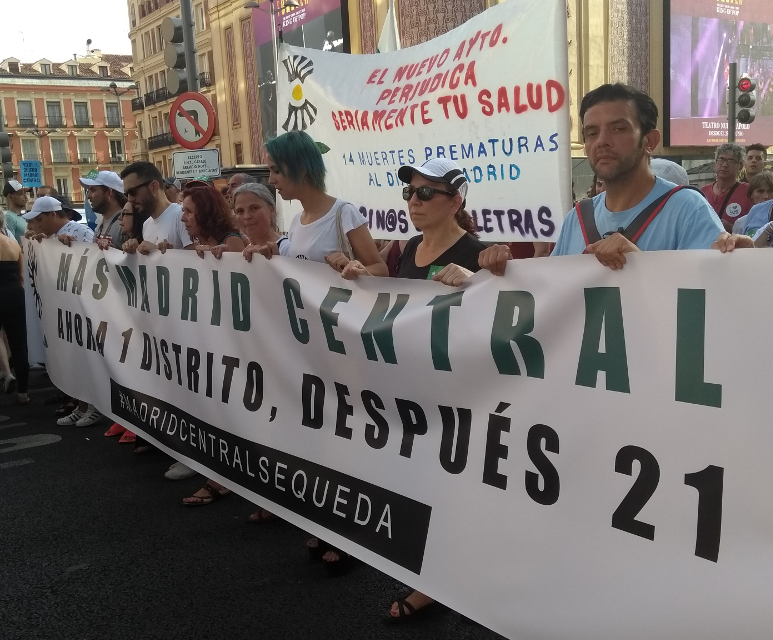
[[111, 228]]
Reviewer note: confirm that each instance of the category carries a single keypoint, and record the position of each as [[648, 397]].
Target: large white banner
[[492, 95], [567, 452]]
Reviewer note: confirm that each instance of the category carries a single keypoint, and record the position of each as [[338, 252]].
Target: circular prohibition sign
[[192, 120]]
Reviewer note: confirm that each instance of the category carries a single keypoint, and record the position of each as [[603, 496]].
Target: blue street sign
[[31, 175]]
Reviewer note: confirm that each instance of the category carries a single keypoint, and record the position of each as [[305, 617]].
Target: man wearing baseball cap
[[16, 197], [106, 197], [172, 187], [49, 219]]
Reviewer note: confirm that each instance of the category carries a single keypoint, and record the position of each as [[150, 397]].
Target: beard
[[624, 166]]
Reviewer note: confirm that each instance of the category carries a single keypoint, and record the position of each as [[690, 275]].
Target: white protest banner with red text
[[491, 95], [566, 452]]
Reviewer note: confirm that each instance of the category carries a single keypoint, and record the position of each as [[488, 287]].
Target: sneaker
[[178, 471], [92, 416], [71, 420]]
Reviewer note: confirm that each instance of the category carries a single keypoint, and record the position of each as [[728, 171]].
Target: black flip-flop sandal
[[337, 568], [214, 494], [408, 613]]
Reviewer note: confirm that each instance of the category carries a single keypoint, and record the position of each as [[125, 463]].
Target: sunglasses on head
[[424, 193]]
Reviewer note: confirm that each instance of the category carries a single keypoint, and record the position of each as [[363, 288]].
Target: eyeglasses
[[723, 161], [130, 193], [423, 193], [123, 214]]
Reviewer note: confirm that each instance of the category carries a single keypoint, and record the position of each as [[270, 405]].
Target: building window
[[238, 153], [160, 39], [154, 126], [24, 109], [134, 17], [72, 69], [45, 69], [63, 186], [140, 134], [116, 150], [153, 41], [161, 79], [54, 114], [29, 149], [200, 24], [85, 150], [113, 114], [165, 123], [231, 65], [59, 153], [104, 71], [13, 67], [203, 63], [81, 114]]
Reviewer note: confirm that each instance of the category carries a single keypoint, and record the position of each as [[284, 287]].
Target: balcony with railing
[[161, 140], [82, 123], [55, 121], [87, 158], [113, 122], [29, 156], [117, 159], [26, 121], [159, 95], [137, 104], [206, 79], [61, 157]]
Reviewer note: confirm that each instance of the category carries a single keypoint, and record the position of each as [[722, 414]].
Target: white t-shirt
[[168, 226], [78, 231], [320, 238]]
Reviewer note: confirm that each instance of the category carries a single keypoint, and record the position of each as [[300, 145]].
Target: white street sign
[[198, 163]]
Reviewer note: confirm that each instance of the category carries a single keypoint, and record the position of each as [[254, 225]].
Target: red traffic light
[[746, 84]]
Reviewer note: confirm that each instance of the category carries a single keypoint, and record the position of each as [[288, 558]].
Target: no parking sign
[[192, 120]]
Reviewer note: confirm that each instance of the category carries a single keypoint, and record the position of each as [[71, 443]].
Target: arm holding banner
[[611, 251], [370, 263], [726, 242]]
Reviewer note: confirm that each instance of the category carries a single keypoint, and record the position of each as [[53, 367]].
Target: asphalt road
[[95, 544]]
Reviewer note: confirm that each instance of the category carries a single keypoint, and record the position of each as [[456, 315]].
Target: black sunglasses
[[130, 193], [423, 193]]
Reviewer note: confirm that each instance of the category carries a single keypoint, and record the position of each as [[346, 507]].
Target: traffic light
[[5, 156], [174, 54], [745, 100]]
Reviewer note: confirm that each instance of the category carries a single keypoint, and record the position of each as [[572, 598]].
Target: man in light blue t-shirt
[[619, 127]]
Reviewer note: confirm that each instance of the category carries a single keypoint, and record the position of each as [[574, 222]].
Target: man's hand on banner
[[103, 243], [145, 247], [266, 250], [611, 251], [495, 258], [66, 240], [453, 275], [161, 246], [726, 242]]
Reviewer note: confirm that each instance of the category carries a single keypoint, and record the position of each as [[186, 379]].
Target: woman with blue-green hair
[[328, 229]]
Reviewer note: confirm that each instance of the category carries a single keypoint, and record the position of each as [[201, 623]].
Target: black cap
[[68, 208]]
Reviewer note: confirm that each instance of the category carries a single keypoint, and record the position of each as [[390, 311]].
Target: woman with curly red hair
[[208, 220]]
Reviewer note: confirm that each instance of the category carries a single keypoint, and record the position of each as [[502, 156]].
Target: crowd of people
[[636, 203]]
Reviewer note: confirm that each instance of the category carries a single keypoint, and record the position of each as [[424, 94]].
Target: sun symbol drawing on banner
[[300, 112]]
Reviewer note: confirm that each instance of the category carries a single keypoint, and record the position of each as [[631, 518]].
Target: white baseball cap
[[13, 186], [670, 171], [108, 179], [438, 170], [44, 204]]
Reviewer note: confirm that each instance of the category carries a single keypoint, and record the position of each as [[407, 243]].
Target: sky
[[56, 29]]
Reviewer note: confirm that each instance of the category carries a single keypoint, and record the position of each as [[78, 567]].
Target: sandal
[[408, 613], [214, 496], [115, 430], [259, 518], [340, 567], [316, 551], [22, 398]]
